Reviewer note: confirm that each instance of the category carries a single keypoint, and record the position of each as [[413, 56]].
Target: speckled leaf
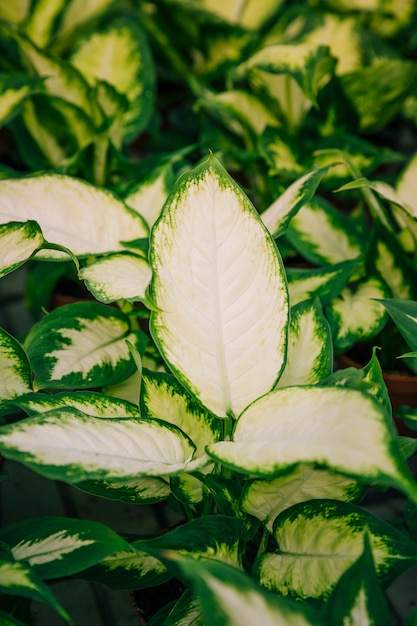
[[59, 546], [68, 445], [279, 213], [266, 499], [89, 402], [18, 579], [226, 594], [323, 235], [118, 53], [14, 89], [221, 293], [310, 348], [306, 63], [355, 314], [319, 540], [324, 282], [271, 434], [118, 276], [82, 345], [163, 398], [60, 204], [358, 597], [18, 242], [16, 376]]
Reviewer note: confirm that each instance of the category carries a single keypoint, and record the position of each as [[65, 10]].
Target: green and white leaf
[[144, 490], [119, 55], [18, 579], [148, 196], [186, 612], [82, 345], [391, 263], [89, 402], [310, 348], [323, 235], [250, 15], [307, 64], [324, 282], [18, 242], [225, 594], [59, 546], [355, 314], [162, 397], [68, 445], [78, 14], [318, 541], [16, 376], [266, 499], [117, 276], [221, 293], [405, 185], [41, 21], [279, 213], [308, 425], [357, 597], [60, 204], [15, 88], [188, 489]]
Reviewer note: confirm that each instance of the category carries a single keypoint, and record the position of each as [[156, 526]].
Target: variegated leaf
[[117, 276], [325, 282], [60, 204], [404, 314], [59, 546], [118, 53], [149, 195], [89, 402], [250, 15], [68, 445], [355, 314], [188, 489], [143, 490], [308, 424], [18, 242], [279, 213], [16, 376], [163, 398], [42, 19], [266, 499], [357, 597], [323, 235], [19, 579], [221, 293], [82, 345], [405, 186], [320, 540], [310, 348], [307, 64], [15, 88], [77, 14], [226, 594]]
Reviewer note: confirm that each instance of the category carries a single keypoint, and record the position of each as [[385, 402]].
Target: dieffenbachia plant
[[243, 423]]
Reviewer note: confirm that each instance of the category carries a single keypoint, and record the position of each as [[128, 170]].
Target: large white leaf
[[342, 429], [221, 293], [69, 445], [70, 212]]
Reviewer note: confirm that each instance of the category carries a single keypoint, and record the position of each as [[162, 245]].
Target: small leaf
[[117, 276], [149, 195], [15, 88], [60, 204], [319, 540], [82, 345], [143, 490], [89, 402], [324, 282], [404, 314], [57, 546], [279, 213], [310, 350], [271, 436], [68, 445], [19, 241], [220, 289], [16, 376]]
